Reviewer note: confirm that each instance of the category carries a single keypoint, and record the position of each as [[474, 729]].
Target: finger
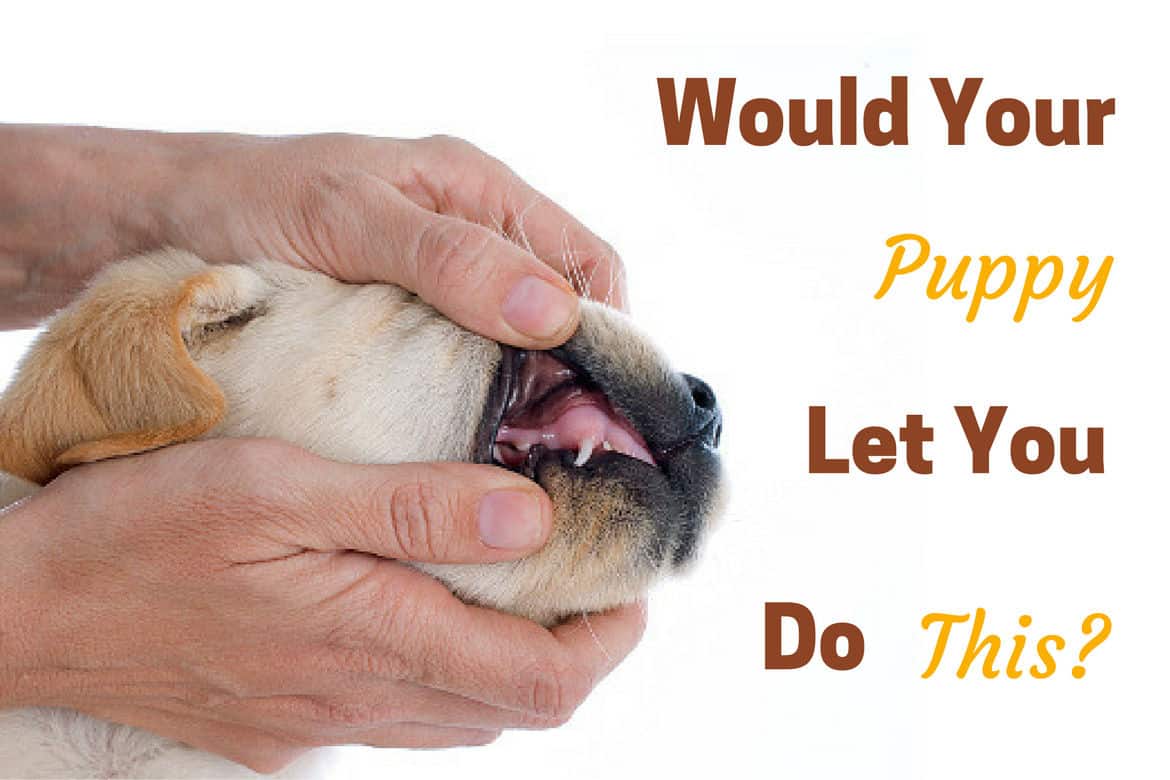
[[463, 181], [602, 640], [488, 284], [379, 702], [421, 735], [473, 275], [503, 660], [255, 748], [420, 704], [428, 512]]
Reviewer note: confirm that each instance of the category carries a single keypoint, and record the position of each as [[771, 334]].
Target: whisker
[[589, 283], [518, 223], [569, 261], [498, 227], [596, 639], [609, 285]]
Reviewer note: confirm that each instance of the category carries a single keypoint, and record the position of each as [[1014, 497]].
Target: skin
[[278, 569]]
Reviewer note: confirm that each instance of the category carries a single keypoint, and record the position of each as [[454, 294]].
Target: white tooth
[[497, 453], [605, 445], [584, 453], [523, 446]]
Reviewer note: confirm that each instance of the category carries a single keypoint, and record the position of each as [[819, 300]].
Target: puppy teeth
[[584, 453], [605, 445], [523, 446], [497, 453]]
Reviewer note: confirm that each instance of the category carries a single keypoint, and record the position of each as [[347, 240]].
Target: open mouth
[[550, 407]]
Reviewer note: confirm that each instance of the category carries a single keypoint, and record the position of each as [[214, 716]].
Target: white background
[[755, 268]]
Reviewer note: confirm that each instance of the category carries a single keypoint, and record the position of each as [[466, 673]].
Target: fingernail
[[538, 309], [510, 520]]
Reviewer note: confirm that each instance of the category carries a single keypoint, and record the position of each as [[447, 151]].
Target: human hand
[[426, 214], [239, 596]]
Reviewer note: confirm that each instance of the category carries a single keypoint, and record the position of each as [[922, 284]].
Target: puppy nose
[[707, 415]]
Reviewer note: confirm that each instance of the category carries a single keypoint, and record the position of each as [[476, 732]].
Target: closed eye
[[209, 330]]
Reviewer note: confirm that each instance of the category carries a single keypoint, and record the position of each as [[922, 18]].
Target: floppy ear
[[112, 376]]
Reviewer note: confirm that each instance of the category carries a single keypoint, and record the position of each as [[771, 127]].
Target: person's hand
[[425, 214], [239, 596], [436, 216]]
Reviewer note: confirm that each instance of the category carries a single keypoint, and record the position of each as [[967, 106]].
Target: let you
[[1040, 277]]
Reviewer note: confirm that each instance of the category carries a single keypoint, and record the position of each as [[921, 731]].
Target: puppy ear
[[112, 374]]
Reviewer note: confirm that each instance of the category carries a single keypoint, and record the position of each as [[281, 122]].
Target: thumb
[[427, 512]]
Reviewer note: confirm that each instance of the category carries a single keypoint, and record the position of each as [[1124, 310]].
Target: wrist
[[71, 200], [200, 192]]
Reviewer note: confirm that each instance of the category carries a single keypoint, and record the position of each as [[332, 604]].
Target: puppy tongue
[[584, 426]]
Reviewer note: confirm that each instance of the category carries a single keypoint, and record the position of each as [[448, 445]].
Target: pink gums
[[586, 423]]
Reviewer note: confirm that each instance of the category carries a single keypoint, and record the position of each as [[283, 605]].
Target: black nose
[[708, 418]]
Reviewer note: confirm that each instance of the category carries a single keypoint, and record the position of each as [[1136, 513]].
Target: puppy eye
[[241, 319], [209, 330]]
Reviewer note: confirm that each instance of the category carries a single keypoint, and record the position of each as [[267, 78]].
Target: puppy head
[[165, 348]]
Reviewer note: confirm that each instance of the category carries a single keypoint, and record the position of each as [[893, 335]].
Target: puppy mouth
[[544, 406]]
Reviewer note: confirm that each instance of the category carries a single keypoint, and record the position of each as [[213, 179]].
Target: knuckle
[[325, 189], [554, 692], [420, 520], [317, 195], [330, 204], [450, 255]]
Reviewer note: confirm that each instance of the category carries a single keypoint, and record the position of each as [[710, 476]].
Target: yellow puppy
[[165, 348]]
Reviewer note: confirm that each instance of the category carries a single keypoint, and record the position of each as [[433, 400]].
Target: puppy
[[165, 348]]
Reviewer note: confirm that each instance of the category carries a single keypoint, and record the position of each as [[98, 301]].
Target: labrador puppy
[[165, 348]]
